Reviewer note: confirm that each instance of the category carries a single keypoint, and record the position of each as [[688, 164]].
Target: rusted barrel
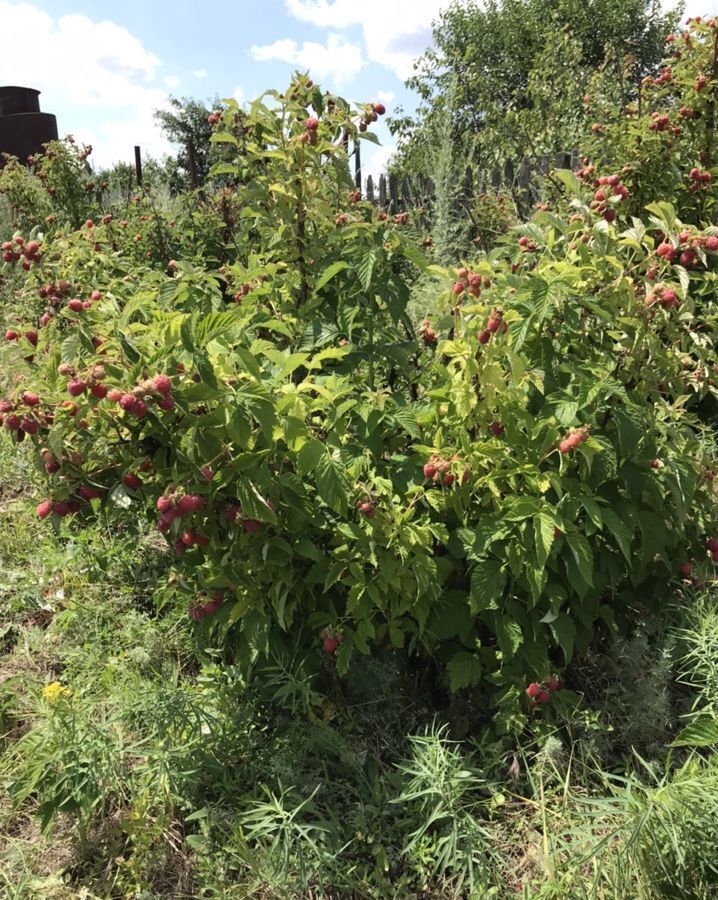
[[23, 128]]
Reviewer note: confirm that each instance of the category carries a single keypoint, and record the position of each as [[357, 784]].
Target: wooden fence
[[521, 181]]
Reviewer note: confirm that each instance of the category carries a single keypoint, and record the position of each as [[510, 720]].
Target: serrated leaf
[[365, 268], [464, 670], [544, 529], [329, 273], [582, 555], [701, 733], [332, 483], [309, 456], [621, 532], [487, 585], [508, 635], [564, 632]]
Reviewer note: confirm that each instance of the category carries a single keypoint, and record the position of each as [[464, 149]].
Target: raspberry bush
[[487, 488]]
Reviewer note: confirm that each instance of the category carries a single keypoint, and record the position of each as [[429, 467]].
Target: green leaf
[[309, 456], [329, 273], [464, 670], [223, 137], [582, 554], [332, 484], [564, 632], [487, 585], [254, 506], [622, 533], [701, 733], [508, 635], [544, 527], [365, 268]]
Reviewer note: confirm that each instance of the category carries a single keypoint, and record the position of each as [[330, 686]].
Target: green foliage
[[560, 417], [515, 71]]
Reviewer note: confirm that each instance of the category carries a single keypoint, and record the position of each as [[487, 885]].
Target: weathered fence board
[[520, 180]]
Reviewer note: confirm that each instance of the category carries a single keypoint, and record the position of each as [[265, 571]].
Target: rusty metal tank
[[23, 128]]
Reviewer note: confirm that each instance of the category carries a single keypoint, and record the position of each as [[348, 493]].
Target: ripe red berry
[[11, 335], [75, 305], [311, 124], [496, 428], [76, 387], [533, 690], [99, 391], [162, 384], [654, 464], [458, 288], [543, 697], [429, 470], [189, 503], [30, 399], [686, 570], [31, 337], [379, 109], [44, 509], [712, 243], [133, 482], [330, 644], [484, 336]]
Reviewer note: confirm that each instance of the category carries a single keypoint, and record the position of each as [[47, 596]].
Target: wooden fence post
[[357, 165], [138, 165], [382, 191], [370, 189]]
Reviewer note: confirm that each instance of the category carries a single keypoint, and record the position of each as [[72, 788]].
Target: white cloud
[[171, 81], [694, 8], [337, 59], [385, 96], [395, 32], [200, 73], [98, 69], [238, 94], [375, 163]]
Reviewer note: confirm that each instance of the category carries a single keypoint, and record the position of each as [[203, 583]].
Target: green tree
[[187, 125], [513, 72]]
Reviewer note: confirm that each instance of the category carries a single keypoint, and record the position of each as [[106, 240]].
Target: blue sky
[[104, 67]]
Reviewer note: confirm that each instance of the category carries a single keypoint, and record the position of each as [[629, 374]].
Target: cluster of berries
[[157, 389], [661, 121], [310, 133], [24, 417], [16, 249], [439, 471], [608, 187], [666, 296], [699, 180], [366, 508], [573, 439], [331, 640], [540, 692], [371, 114], [494, 323], [427, 333], [468, 281], [174, 506], [527, 245], [55, 291], [77, 306], [200, 607]]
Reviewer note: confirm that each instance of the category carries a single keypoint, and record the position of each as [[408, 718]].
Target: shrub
[[490, 491]]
